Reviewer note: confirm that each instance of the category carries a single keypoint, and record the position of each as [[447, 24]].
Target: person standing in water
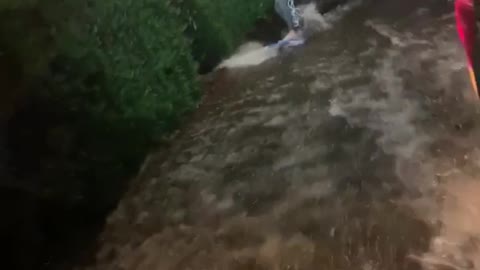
[[291, 15], [466, 23]]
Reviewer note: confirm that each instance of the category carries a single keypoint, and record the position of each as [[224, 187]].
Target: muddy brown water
[[357, 151]]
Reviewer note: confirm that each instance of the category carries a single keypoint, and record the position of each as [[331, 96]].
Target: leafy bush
[[149, 80], [107, 78], [216, 27]]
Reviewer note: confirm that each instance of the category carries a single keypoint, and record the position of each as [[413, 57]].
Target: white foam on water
[[396, 38], [451, 206], [314, 21], [386, 110], [249, 54]]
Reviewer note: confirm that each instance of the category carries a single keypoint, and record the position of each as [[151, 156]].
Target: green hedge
[[217, 27], [106, 80]]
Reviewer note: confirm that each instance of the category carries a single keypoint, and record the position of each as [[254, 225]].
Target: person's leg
[[290, 14]]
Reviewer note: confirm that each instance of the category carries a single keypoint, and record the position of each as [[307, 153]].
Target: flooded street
[[356, 151]]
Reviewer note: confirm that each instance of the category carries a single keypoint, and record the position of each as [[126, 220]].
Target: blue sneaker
[[291, 42]]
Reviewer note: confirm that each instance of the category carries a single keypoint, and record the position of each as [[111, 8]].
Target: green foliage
[[231, 19], [106, 80], [149, 81], [16, 4], [218, 26], [147, 60], [115, 76]]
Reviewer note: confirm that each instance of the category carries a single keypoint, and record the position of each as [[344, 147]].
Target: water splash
[[450, 207], [254, 53], [249, 54], [385, 109]]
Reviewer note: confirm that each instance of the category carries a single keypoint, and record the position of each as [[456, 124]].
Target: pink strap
[[465, 18]]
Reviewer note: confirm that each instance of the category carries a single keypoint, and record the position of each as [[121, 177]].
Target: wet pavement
[[348, 153]]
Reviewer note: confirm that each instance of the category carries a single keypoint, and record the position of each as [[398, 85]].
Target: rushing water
[[357, 151]]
